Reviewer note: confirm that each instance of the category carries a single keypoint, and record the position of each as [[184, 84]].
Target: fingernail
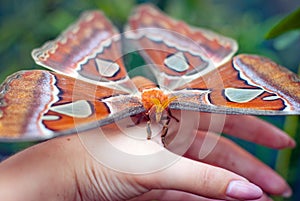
[[292, 143], [287, 193], [243, 190]]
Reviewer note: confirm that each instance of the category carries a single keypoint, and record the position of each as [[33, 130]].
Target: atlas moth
[[195, 65]]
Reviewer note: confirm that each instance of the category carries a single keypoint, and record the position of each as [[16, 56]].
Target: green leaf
[[290, 22]]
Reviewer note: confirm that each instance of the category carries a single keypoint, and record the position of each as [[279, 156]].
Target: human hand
[[105, 164]]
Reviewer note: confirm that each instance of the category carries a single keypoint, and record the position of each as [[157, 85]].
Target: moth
[[88, 85]]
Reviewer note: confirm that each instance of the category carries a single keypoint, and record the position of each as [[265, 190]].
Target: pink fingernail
[[288, 193], [243, 190]]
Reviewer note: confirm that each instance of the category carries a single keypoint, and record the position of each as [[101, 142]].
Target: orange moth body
[[155, 99], [148, 95]]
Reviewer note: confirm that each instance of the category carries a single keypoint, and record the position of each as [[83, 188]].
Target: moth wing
[[196, 66], [37, 105], [177, 52], [89, 50], [249, 84]]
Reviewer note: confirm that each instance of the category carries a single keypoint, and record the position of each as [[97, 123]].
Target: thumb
[[203, 180]]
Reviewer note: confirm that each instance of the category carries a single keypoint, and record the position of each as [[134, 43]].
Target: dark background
[[27, 24]]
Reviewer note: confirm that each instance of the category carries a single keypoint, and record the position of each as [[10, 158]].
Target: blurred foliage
[[290, 22], [291, 124], [27, 24]]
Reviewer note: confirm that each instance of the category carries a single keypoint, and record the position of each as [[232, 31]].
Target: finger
[[173, 195], [228, 155], [170, 195], [249, 128], [264, 198], [203, 180], [169, 171], [157, 168]]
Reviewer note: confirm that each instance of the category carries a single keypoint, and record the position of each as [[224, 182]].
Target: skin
[[67, 168]]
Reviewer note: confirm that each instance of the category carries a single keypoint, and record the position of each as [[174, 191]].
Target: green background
[[27, 24]]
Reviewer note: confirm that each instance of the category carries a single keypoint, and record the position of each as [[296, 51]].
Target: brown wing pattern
[[43, 104], [249, 84], [218, 48], [89, 50]]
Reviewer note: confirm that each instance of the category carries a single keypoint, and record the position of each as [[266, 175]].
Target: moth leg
[[164, 131], [149, 131], [171, 115]]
